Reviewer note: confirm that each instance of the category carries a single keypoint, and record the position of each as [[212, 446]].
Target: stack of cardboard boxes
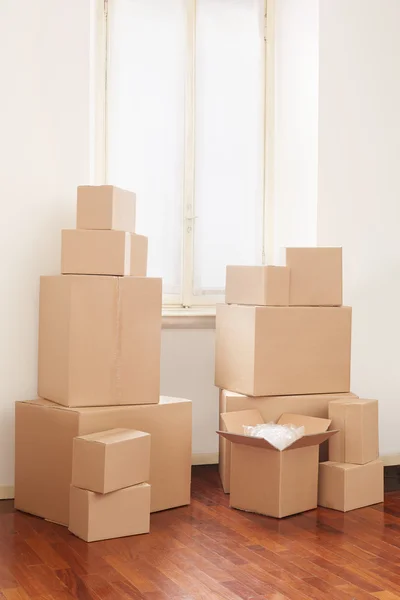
[[283, 347], [353, 476], [110, 496], [99, 363]]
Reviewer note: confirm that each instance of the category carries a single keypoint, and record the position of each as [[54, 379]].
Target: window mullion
[[189, 174]]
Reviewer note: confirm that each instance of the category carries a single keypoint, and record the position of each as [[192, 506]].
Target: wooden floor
[[209, 551]]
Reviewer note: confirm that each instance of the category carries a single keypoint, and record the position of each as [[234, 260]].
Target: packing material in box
[[358, 438], [99, 340], [105, 207], [270, 482], [44, 436], [111, 460], [90, 252], [279, 351], [345, 487], [270, 408], [260, 285], [315, 276], [95, 517]]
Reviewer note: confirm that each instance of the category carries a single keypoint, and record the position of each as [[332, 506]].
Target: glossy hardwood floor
[[208, 551]]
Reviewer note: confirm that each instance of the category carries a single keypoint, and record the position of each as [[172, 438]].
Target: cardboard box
[[85, 252], [346, 487], [270, 408], [43, 451], [270, 482], [111, 460], [315, 276], [105, 207], [99, 340], [264, 286], [279, 351], [358, 439], [94, 517]]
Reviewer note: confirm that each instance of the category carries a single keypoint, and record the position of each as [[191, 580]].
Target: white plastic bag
[[280, 436]]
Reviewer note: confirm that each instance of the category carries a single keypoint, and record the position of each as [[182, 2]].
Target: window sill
[[188, 318]]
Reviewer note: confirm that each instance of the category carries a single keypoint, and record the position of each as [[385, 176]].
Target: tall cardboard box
[[99, 340], [315, 276], [279, 351], [122, 513], [44, 434], [105, 207], [358, 439], [270, 408], [258, 285], [346, 487], [97, 252], [270, 482], [111, 460]]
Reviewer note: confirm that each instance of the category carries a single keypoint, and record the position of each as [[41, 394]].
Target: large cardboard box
[[270, 408], [85, 252], [43, 451], [270, 482], [111, 460], [345, 487], [259, 285], [95, 517], [99, 340], [279, 351], [358, 439], [105, 207], [315, 276]]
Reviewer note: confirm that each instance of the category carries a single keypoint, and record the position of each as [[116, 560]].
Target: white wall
[[44, 150], [187, 371], [359, 187], [44, 154], [296, 123], [351, 173]]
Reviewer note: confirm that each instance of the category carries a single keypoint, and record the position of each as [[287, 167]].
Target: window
[[185, 129]]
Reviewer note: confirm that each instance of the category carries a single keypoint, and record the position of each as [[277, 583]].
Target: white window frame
[[190, 304]]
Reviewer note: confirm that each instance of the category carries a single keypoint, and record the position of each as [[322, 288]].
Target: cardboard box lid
[[316, 429], [307, 440], [355, 400], [113, 436], [96, 409]]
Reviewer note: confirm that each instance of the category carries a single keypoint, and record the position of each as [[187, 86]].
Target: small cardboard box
[[85, 252], [94, 517], [111, 460], [271, 408], [260, 285], [358, 439], [280, 351], [346, 487], [270, 482], [44, 434], [99, 340], [105, 207], [315, 276]]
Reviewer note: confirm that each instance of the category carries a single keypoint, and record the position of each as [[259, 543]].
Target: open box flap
[[234, 421], [311, 424], [246, 440], [304, 442]]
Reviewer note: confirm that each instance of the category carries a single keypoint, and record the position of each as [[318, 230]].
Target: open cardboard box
[[268, 481]]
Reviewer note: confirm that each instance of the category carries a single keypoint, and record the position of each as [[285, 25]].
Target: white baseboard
[[393, 460], [6, 492], [205, 459]]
